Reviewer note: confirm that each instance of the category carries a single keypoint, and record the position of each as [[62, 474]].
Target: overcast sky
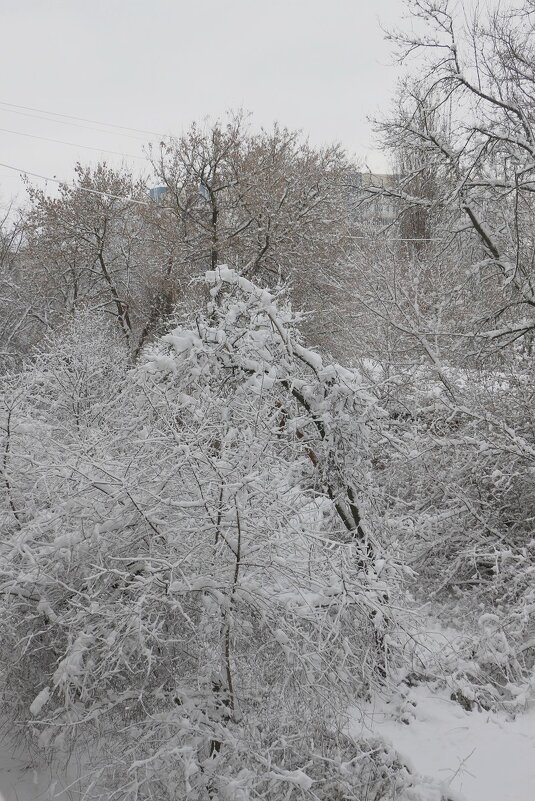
[[318, 65]]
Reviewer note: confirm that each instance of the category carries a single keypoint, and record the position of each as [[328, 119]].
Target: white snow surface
[[21, 781], [469, 756], [472, 756]]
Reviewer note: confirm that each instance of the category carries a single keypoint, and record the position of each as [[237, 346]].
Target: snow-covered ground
[[463, 755], [472, 756], [21, 781]]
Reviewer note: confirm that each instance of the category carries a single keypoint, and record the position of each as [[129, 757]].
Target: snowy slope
[[474, 756], [20, 781]]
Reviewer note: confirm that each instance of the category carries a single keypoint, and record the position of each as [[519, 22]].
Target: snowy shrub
[[197, 588], [456, 484]]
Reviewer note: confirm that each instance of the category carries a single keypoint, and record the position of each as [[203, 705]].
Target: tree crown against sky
[[333, 61], [216, 537]]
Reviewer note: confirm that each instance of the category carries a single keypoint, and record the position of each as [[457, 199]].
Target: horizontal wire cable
[[169, 208], [82, 188], [74, 124], [81, 119], [73, 144]]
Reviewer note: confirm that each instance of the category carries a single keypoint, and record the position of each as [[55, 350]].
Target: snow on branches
[[201, 590]]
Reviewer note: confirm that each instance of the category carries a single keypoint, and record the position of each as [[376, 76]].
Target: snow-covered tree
[[463, 128], [22, 320], [443, 326], [86, 248], [197, 579], [268, 204]]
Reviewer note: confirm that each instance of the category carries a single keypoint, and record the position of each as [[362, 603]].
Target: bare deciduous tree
[[466, 124], [86, 247]]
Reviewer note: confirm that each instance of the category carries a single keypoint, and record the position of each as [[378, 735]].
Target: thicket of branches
[[193, 575], [452, 347], [268, 204], [215, 538]]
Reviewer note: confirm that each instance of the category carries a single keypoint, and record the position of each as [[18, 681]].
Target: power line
[[74, 144], [74, 124], [80, 188], [397, 239], [165, 208], [169, 208], [81, 119]]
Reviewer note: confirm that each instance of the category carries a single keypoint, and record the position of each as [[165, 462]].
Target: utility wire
[[396, 239], [169, 208], [165, 208], [73, 144], [74, 124], [81, 119], [81, 188]]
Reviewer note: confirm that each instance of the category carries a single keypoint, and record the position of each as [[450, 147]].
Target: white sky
[[318, 65]]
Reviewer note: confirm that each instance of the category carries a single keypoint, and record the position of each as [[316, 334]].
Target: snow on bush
[[194, 587], [456, 477]]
